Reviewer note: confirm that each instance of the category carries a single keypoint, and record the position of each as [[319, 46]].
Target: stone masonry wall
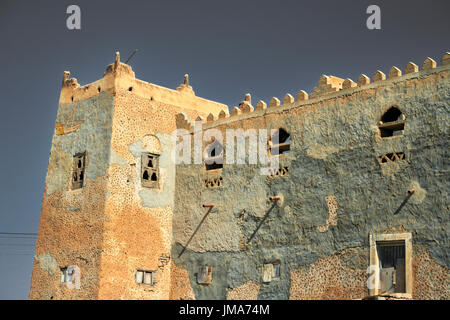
[[336, 192]]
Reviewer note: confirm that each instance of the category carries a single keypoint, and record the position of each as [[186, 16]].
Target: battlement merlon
[[119, 77], [329, 87]]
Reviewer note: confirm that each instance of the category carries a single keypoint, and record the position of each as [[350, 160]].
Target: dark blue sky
[[229, 48]]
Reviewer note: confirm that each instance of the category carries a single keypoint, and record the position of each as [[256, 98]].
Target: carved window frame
[[153, 170]]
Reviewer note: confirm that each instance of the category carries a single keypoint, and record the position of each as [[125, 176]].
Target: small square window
[[145, 277], [150, 170], [204, 275], [78, 171], [270, 271], [67, 274]]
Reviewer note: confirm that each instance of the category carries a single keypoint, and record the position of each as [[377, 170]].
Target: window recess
[[150, 170], [78, 170]]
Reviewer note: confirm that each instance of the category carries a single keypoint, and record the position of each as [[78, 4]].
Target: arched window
[[280, 142], [214, 156], [392, 123]]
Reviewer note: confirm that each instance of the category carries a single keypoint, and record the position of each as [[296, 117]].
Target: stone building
[[356, 207]]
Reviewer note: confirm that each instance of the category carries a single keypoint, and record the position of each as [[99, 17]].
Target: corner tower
[[106, 217]]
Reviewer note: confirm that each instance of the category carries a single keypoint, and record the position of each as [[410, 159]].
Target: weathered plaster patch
[[116, 159], [332, 213], [47, 262], [93, 136], [419, 193], [389, 169], [318, 151]]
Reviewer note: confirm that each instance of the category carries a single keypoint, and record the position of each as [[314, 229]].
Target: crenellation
[[274, 102], [411, 67], [302, 95], [288, 98], [182, 121], [210, 118], [246, 108], [348, 83], [363, 80], [66, 76], [379, 76], [246, 105], [223, 114], [445, 59], [261, 105], [428, 64], [235, 112], [394, 73], [327, 84], [69, 82]]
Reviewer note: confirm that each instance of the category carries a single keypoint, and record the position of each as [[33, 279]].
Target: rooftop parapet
[[327, 86], [120, 77]]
